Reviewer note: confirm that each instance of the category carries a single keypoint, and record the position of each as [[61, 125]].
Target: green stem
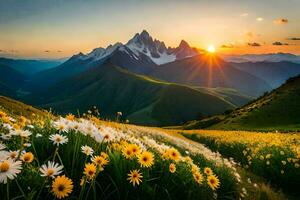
[[20, 189], [74, 154], [82, 189], [88, 192], [94, 190], [56, 150], [7, 190], [61, 162], [41, 189], [21, 148], [33, 147]]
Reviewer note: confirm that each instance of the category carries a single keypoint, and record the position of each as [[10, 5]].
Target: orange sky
[[56, 29]]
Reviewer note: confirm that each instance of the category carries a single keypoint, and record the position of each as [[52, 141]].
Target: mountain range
[[30, 67], [270, 57], [141, 99], [277, 110], [149, 82]]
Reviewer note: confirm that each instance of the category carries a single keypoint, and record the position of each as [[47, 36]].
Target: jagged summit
[[139, 47]]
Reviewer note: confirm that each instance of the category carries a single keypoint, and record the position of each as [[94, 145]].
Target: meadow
[[86, 158], [55, 157], [274, 156]]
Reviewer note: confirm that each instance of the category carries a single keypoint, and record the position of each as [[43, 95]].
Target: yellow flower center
[[58, 139], [4, 167], [26, 158], [50, 172], [91, 172], [13, 155], [61, 188]]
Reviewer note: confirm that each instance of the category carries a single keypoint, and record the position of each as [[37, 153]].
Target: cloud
[[47, 51], [227, 46], [281, 21], [294, 38], [259, 19], [1, 50], [254, 44], [59, 51], [250, 34], [279, 43], [244, 14]]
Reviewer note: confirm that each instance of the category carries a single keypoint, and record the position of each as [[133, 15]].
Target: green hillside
[[141, 99], [17, 108], [10, 80], [278, 110]]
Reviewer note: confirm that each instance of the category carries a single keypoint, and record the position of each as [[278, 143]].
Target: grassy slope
[[278, 110], [141, 99], [17, 108], [210, 71], [230, 95]]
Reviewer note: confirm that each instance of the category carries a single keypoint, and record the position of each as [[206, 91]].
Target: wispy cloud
[[47, 51], [244, 14], [254, 44], [279, 43], [227, 46], [251, 35], [281, 21], [294, 38]]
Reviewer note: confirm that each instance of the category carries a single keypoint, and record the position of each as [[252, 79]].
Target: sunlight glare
[[211, 49]]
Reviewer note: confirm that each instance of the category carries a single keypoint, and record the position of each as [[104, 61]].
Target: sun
[[211, 49]]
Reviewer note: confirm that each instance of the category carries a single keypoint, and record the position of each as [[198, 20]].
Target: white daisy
[[58, 139], [6, 137], [4, 155], [61, 125], [87, 150], [51, 169], [27, 144], [9, 170], [13, 154], [38, 135], [21, 133], [2, 146], [30, 126]]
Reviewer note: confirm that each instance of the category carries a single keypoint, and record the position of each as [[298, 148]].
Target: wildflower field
[[87, 158], [274, 156]]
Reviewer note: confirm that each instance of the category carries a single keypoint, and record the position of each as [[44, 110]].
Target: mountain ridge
[[277, 110], [130, 93]]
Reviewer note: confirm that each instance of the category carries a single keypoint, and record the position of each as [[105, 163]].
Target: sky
[[61, 28]]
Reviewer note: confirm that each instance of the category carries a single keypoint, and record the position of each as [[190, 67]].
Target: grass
[[142, 100], [110, 181], [274, 156], [17, 108], [275, 111]]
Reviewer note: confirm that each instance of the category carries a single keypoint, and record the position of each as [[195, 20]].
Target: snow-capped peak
[[157, 50], [100, 52], [183, 50], [141, 46]]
